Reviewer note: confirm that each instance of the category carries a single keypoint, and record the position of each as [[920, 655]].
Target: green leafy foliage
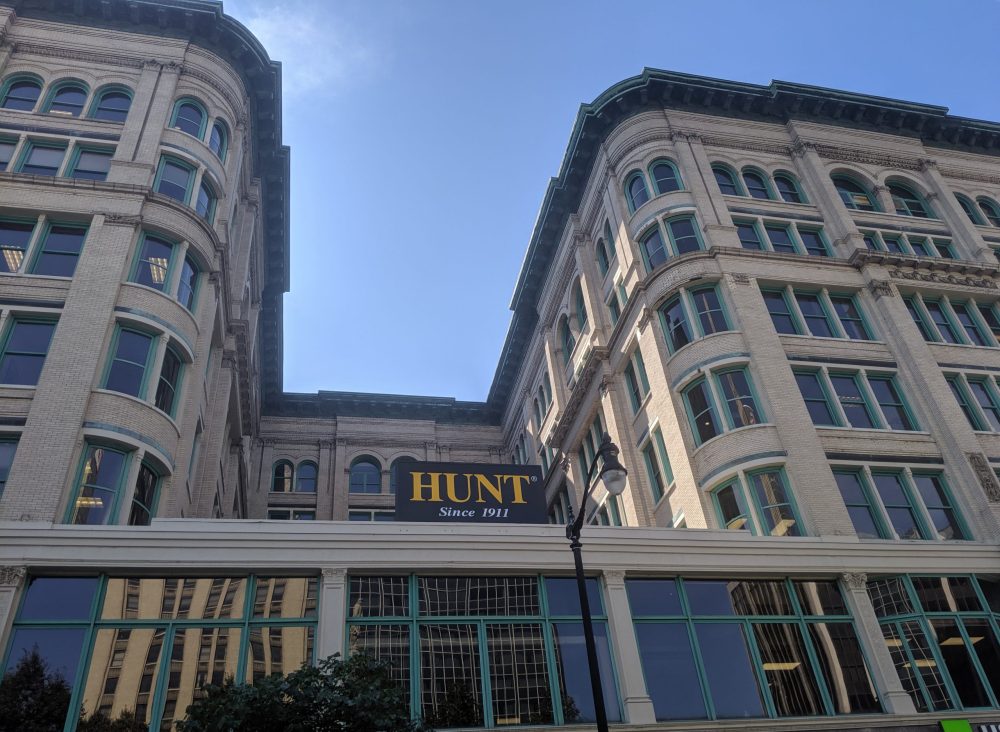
[[32, 698], [99, 722], [356, 695]]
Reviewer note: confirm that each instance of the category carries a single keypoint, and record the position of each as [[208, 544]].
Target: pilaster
[[638, 705], [333, 612]]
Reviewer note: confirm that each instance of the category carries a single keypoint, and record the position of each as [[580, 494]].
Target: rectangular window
[[656, 481], [676, 327], [127, 371], [812, 240], [42, 159], [860, 507], [153, 262], [711, 315], [852, 400], [169, 381], [781, 238], [989, 316], [24, 351], [780, 312], [921, 247], [6, 152], [894, 244], [849, 314], [91, 164], [8, 447], [958, 389], [59, 250], [940, 318], [966, 314], [774, 504], [614, 308], [944, 249], [636, 380], [739, 398], [683, 235], [919, 320], [898, 503], [99, 486], [174, 179], [814, 314], [704, 421], [14, 239], [816, 399], [937, 501], [749, 238], [144, 499], [890, 401]]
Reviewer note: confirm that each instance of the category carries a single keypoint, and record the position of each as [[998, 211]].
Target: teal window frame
[[718, 403], [614, 307], [280, 482], [567, 341], [791, 310], [965, 401], [298, 477], [921, 319], [990, 411], [957, 333], [208, 215], [9, 332], [725, 401], [762, 508], [696, 316], [176, 111], [6, 441], [91, 623], [16, 79], [150, 508], [658, 469], [742, 226], [192, 174], [711, 410], [825, 314], [191, 302], [74, 160], [789, 230], [795, 186], [651, 258], [913, 204], [969, 208], [672, 237], [765, 180], [580, 306], [800, 324], [867, 401], [949, 504], [128, 454], [990, 209], [59, 86], [223, 148], [546, 618], [177, 386], [656, 183], [8, 145], [824, 245], [861, 320], [735, 181], [40, 248], [902, 404], [944, 248], [138, 260], [146, 367], [826, 397], [32, 145], [98, 98], [849, 198], [630, 197], [636, 381], [977, 332], [868, 398], [869, 502], [744, 515]]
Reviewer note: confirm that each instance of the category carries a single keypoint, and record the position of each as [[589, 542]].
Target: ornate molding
[[334, 575], [102, 59], [869, 157], [881, 288], [739, 278], [734, 143], [114, 219], [856, 581], [12, 575], [606, 385], [801, 148], [984, 473], [565, 464], [614, 578]]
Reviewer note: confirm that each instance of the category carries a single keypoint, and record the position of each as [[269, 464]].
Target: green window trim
[[98, 98], [220, 131], [969, 208], [850, 198], [78, 150], [990, 210], [674, 238], [785, 526], [199, 105], [118, 490], [18, 78], [733, 186], [59, 86], [867, 501], [282, 480], [658, 468], [30, 146], [748, 405], [907, 201], [43, 241], [138, 260], [636, 197], [748, 231], [766, 187], [794, 184], [180, 163], [965, 401], [112, 357], [5, 349], [836, 404], [717, 416], [601, 255], [656, 182], [739, 519]]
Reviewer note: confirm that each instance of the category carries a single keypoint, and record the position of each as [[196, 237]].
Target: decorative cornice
[[12, 575], [113, 219], [868, 157], [855, 581], [881, 288]]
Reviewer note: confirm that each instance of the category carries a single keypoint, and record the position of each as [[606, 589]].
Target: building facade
[[781, 302]]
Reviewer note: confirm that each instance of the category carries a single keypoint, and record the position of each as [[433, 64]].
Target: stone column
[[638, 705], [11, 581], [942, 200], [341, 480], [324, 481], [718, 224], [333, 612], [883, 670], [818, 185], [590, 285]]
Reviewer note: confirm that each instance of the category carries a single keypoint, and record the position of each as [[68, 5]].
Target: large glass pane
[[786, 666], [728, 670], [670, 671], [815, 398], [850, 317], [678, 331], [652, 597], [123, 673], [774, 503], [842, 664], [710, 312], [897, 504], [852, 400], [737, 597], [220, 598], [820, 597], [519, 674], [450, 675], [891, 402], [817, 321], [278, 650], [858, 506], [128, 367], [702, 412], [390, 643], [574, 672], [198, 656], [452, 596], [154, 260], [24, 353], [684, 236], [944, 520], [563, 596], [60, 251], [984, 641], [946, 594], [780, 314], [956, 653], [379, 597], [14, 238], [889, 597], [285, 597], [734, 517], [739, 398], [174, 181], [58, 598], [907, 674], [39, 677], [99, 486], [653, 248], [927, 667]]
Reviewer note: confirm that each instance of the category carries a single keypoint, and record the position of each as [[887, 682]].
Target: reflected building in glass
[[781, 302]]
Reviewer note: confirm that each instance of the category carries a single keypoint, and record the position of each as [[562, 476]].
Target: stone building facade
[[781, 302]]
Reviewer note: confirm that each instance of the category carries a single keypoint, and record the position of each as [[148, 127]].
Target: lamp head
[[613, 473]]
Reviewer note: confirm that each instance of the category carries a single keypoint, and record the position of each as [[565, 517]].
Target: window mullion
[[801, 325], [923, 517], [983, 424], [153, 367], [177, 258], [973, 307], [881, 514], [831, 314], [871, 402], [718, 402], [128, 490], [832, 398], [932, 328], [34, 243], [956, 324]]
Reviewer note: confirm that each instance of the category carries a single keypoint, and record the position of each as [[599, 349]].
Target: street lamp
[[613, 475]]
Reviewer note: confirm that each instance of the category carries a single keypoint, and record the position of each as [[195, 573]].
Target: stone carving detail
[[927, 164], [856, 581], [565, 464], [605, 385], [334, 575], [987, 478], [801, 148], [114, 219], [12, 575], [881, 288], [644, 315], [614, 577], [739, 278], [982, 282]]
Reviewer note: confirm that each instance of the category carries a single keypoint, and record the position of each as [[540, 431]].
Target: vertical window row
[[784, 237], [692, 314], [942, 319], [818, 313], [758, 501], [850, 398], [720, 401], [636, 380], [658, 468]]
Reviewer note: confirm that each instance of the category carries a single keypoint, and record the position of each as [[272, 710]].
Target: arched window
[[788, 188], [281, 477], [726, 180], [601, 252], [112, 104], [366, 475], [635, 190], [394, 471], [907, 202], [990, 209], [21, 93], [537, 407], [756, 185], [665, 177], [305, 477], [610, 239], [189, 116], [580, 306], [970, 209], [205, 205], [218, 141], [853, 194], [566, 339], [67, 98]]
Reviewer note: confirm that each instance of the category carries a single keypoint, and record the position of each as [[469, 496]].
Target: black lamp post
[[613, 476]]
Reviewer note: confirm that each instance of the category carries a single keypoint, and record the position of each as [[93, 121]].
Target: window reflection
[[574, 672], [198, 656], [450, 675], [41, 672], [389, 643], [58, 598], [123, 673], [668, 663], [728, 671], [842, 665], [519, 674], [379, 597], [188, 598], [786, 666], [278, 650], [478, 595], [285, 597]]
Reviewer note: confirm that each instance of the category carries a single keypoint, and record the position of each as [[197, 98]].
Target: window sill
[[19, 387], [960, 345], [731, 432], [143, 402], [830, 339], [686, 346], [873, 430]]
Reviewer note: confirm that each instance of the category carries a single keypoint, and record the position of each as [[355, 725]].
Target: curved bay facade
[[781, 303]]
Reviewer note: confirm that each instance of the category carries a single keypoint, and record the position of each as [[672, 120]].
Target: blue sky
[[424, 133]]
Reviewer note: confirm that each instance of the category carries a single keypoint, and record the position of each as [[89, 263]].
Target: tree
[[128, 721], [356, 695], [33, 699]]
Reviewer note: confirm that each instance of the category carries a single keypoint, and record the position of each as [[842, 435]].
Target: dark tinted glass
[[129, 364], [946, 594], [41, 672], [728, 670], [22, 95], [652, 245], [684, 236], [450, 671], [787, 189], [842, 665], [957, 654], [638, 195], [574, 674], [736, 597], [670, 671], [820, 597], [92, 165], [653, 597], [787, 669], [24, 354], [378, 597], [58, 598], [113, 106], [478, 595], [166, 388], [676, 325], [665, 177], [889, 597], [43, 160], [174, 181], [519, 674], [154, 261], [564, 596], [60, 251], [189, 119], [69, 100]]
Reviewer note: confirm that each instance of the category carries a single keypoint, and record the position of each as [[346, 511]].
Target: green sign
[[955, 725]]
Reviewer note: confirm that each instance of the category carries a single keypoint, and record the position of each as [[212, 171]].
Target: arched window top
[[21, 92], [366, 475], [854, 194], [756, 184], [665, 176], [218, 140], [788, 187], [111, 103], [579, 306], [601, 253], [537, 409], [566, 340], [970, 209], [990, 208], [189, 116], [281, 477], [394, 471], [726, 179], [547, 391], [908, 202], [305, 477], [635, 190], [67, 98]]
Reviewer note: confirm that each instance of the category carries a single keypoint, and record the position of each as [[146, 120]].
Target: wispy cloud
[[319, 49]]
